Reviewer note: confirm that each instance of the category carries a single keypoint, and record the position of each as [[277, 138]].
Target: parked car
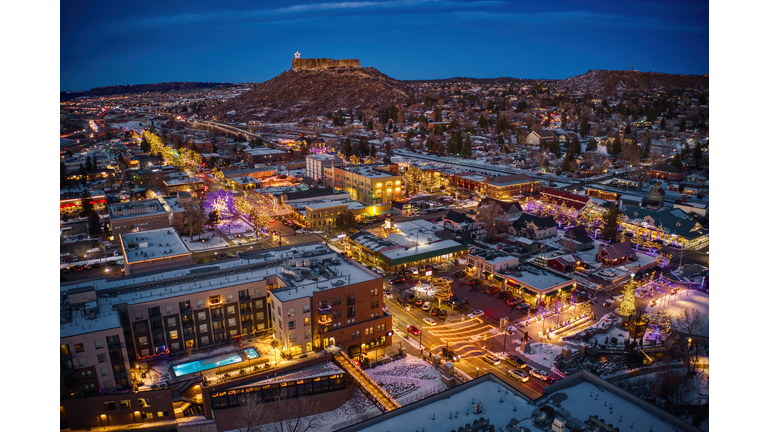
[[513, 301], [435, 311], [442, 313], [492, 290], [396, 280], [517, 362], [503, 295], [473, 282], [414, 270], [475, 314], [523, 307], [461, 301], [541, 374], [426, 306], [459, 273], [414, 330], [418, 302], [429, 321], [491, 359], [518, 375]]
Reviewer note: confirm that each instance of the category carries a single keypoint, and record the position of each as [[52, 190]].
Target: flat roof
[[417, 253], [152, 244], [314, 371], [138, 208], [541, 281]]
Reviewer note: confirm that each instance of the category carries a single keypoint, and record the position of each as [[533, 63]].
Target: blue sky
[[111, 43]]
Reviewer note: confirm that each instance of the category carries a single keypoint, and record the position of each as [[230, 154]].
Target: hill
[[613, 82], [301, 93], [138, 88]]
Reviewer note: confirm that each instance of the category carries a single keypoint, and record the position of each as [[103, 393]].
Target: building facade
[[367, 184]]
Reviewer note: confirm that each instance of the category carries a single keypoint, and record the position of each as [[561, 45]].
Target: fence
[[395, 380], [422, 394]]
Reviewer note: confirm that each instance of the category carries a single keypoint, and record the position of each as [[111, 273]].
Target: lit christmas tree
[[627, 306]]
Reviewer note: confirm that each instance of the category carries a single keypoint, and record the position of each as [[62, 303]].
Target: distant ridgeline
[[323, 63]]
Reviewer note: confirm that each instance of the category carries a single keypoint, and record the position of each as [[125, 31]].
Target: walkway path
[[380, 396]]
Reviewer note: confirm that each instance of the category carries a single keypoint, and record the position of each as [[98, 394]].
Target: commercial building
[[265, 155], [320, 215], [664, 226], [181, 182], [487, 263], [369, 184], [140, 216], [158, 249], [499, 187]]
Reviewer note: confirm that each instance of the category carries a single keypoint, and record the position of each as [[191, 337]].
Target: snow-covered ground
[[131, 125], [542, 353], [675, 305], [410, 366], [212, 241], [238, 226]]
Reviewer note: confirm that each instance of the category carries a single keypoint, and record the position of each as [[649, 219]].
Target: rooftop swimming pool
[[251, 353], [209, 363]]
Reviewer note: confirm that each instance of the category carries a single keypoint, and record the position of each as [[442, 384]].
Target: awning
[[516, 286], [527, 291], [470, 266], [498, 278], [487, 273], [549, 294]]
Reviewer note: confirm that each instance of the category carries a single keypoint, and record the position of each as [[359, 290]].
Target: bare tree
[[194, 216], [488, 216], [282, 414], [692, 322]]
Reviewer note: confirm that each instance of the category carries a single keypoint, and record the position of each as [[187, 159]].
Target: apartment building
[[141, 215], [369, 184], [317, 162]]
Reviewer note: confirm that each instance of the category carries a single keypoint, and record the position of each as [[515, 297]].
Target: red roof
[[562, 198]]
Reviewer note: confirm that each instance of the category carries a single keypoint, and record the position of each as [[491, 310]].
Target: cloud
[[221, 15]]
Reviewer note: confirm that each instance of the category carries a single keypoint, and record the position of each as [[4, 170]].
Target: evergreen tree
[[697, 154], [373, 151], [438, 115], [356, 149], [363, 147], [213, 218], [86, 205], [663, 124], [584, 127], [616, 147], [88, 165], [575, 146], [592, 145], [408, 142], [482, 123], [677, 162], [628, 130], [554, 147], [145, 147], [466, 149], [347, 149], [94, 224], [682, 125], [627, 306], [62, 172], [611, 223], [567, 163], [489, 107]]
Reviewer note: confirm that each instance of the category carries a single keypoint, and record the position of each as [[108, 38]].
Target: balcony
[[325, 320], [113, 346], [245, 310], [246, 322], [218, 330], [187, 324], [155, 317], [216, 318], [245, 298]]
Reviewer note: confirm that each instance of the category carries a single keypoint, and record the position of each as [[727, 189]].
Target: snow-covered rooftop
[[152, 244]]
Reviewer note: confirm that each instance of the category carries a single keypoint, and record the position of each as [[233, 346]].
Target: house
[[533, 227], [664, 226], [563, 263], [667, 172], [537, 137], [458, 222], [577, 239], [615, 254], [567, 137], [510, 211], [655, 197], [569, 203]]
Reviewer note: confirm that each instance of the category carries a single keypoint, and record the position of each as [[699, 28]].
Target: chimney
[[683, 197]]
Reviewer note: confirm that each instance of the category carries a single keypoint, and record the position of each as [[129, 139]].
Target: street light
[[218, 369], [477, 372], [275, 350]]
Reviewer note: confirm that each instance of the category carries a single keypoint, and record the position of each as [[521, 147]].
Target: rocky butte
[[322, 63]]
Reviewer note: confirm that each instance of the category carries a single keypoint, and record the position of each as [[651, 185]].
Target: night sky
[[138, 42]]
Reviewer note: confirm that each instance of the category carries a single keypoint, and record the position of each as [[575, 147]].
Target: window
[[306, 321], [291, 325], [305, 308], [279, 311], [231, 310], [79, 348], [65, 349], [292, 337], [375, 304], [139, 315], [141, 328], [201, 316], [232, 322], [146, 415], [381, 327], [350, 321], [214, 299], [350, 299], [230, 298], [374, 315], [350, 312], [204, 340], [90, 387], [309, 347], [243, 294], [291, 312], [162, 413], [82, 361], [374, 292], [86, 374], [104, 371], [171, 322], [259, 304], [217, 325], [126, 404], [142, 340], [336, 301], [174, 334], [200, 303], [337, 314], [259, 316], [260, 327], [356, 334], [102, 358], [307, 334], [98, 343], [257, 292], [109, 406], [203, 328], [169, 309]]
